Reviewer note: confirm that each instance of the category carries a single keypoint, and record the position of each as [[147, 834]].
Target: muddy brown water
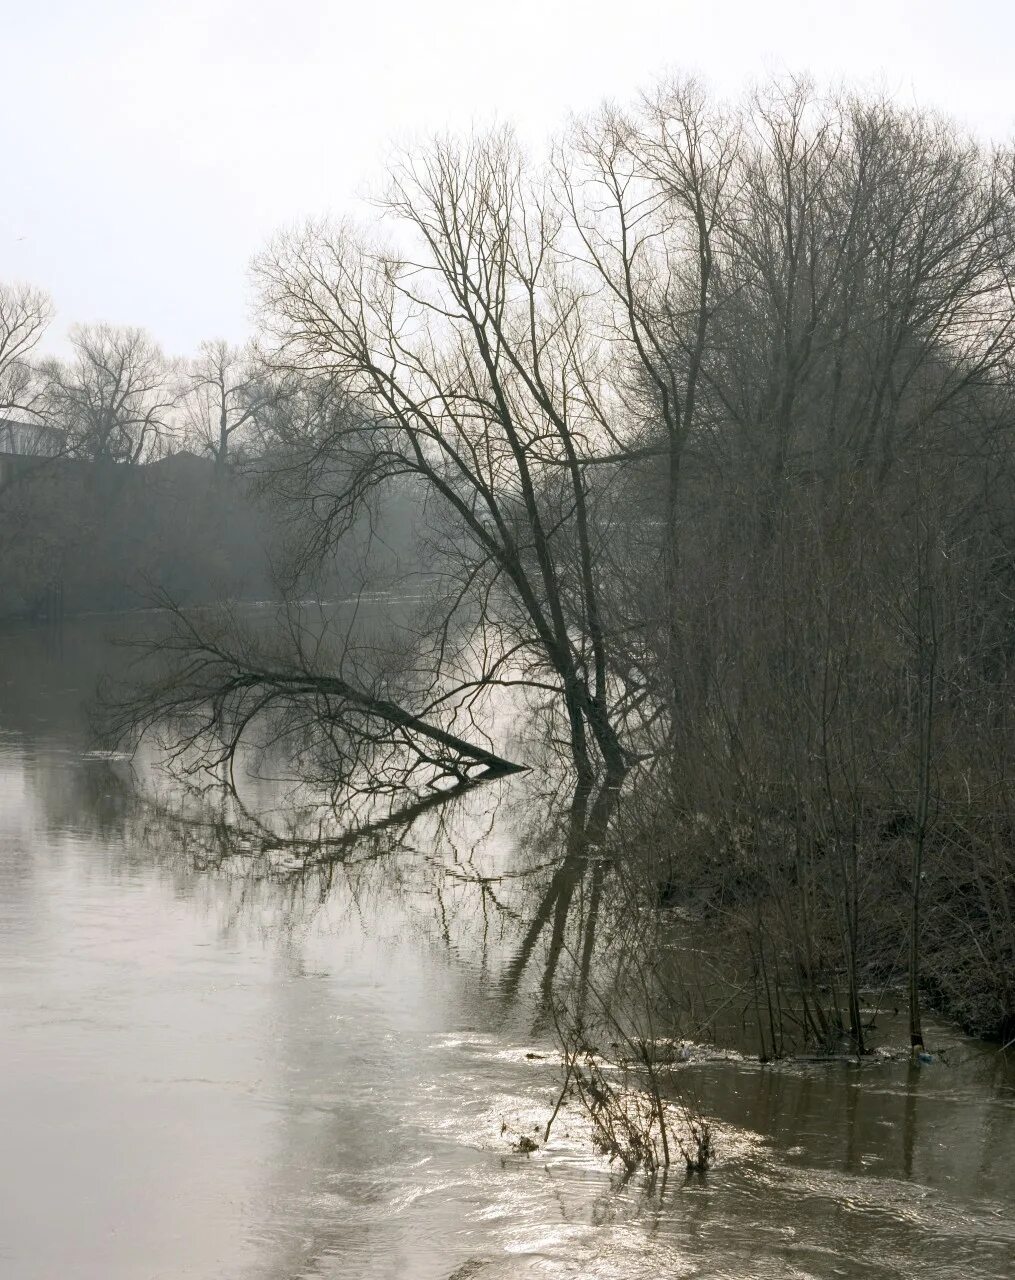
[[212, 1068]]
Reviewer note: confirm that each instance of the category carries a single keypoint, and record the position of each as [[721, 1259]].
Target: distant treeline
[[78, 535]]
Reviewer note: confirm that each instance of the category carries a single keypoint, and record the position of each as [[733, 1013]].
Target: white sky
[[151, 147]]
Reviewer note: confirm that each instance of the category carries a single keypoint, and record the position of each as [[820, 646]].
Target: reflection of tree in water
[[98, 795], [476, 872], [573, 890], [229, 705], [528, 885], [518, 868], [524, 888]]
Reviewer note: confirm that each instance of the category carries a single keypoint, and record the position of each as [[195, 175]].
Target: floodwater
[[216, 1064]]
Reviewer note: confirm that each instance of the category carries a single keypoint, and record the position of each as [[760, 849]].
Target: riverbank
[[793, 923]]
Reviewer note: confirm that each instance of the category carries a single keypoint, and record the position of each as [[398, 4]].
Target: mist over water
[[213, 1065]]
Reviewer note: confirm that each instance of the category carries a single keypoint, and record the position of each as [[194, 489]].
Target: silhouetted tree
[[225, 391], [115, 398]]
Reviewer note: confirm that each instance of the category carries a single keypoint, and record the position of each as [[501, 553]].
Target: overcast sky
[[151, 148]]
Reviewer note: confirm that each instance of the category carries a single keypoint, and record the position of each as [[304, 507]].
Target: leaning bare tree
[[500, 355]]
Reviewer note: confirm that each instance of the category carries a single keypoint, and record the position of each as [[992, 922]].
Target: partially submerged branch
[[220, 689]]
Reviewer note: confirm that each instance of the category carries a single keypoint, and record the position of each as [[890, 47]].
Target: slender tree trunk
[[927, 651]]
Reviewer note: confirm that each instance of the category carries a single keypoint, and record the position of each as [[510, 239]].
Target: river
[[212, 1066]]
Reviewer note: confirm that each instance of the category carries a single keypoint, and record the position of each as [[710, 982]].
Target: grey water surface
[[212, 1068]]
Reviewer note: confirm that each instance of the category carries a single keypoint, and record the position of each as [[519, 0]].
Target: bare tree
[[115, 398], [25, 314], [27, 439], [649, 194], [472, 365], [225, 392], [867, 260], [530, 324]]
